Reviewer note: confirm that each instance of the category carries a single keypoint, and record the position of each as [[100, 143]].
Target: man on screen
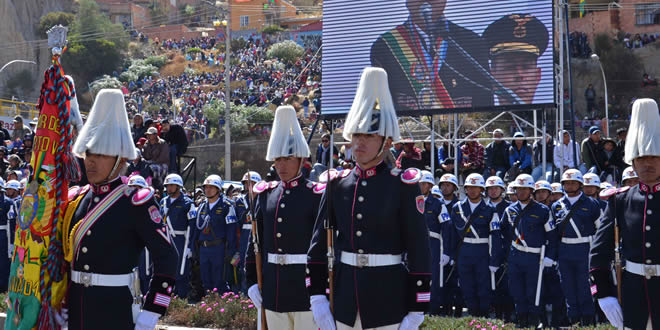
[[515, 43], [425, 69]]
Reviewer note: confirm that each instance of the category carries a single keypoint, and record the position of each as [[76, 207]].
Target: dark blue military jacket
[[285, 213], [374, 211], [636, 211]]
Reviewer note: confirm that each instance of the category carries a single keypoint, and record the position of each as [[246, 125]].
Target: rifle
[[329, 227], [617, 253], [257, 252]]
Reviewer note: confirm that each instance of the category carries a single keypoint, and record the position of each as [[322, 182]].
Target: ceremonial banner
[[37, 281]]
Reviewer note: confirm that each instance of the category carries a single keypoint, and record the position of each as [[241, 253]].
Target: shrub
[[287, 51], [272, 29], [226, 311], [157, 61], [194, 50], [104, 82]]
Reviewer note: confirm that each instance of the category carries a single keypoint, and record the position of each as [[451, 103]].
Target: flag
[[582, 10]]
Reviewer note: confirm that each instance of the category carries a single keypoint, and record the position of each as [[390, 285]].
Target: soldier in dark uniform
[[635, 211], [453, 297], [440, 233], [377, 216], [425, 69], [529, 228], [285, 213], [551, 293], [477, 225], [106, 243], [245, 219], [575, 234], [503, 301], [515, 43], [179, 211], [214, 235]]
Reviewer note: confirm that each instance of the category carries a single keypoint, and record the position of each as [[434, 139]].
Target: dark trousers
[[574, 275], [523, 277], [475, 283], [211, 263]]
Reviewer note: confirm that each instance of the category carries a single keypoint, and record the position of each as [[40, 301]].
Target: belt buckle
[[281, 259], [86, 280], [362, 260], [650, 271]]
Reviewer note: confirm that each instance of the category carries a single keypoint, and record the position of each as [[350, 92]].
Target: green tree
[[95, 43], [242, 117], [54, 18], [20, 82], [287, 51]]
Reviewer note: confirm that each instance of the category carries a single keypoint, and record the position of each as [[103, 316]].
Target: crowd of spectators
[[595, 154], [256, 81], [638, 40]]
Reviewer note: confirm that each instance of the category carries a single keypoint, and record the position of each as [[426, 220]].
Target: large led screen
[[441, 56]]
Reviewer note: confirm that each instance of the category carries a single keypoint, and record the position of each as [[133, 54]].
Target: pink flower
[[250, 306], [490, 323], [236, 296], [203, 305], [222, 310], [243, 307], [215, 289], [471, 323], [209, 309], [216, 304], [493, 327], [229, 300]]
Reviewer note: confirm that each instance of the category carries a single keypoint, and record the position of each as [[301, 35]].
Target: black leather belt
[[212, 243]]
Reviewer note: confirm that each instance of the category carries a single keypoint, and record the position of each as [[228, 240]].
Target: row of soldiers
[[365, 248], [515, 248]]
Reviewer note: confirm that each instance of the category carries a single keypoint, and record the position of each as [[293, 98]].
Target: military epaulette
[[319, 188], [260, 187], [76, 191], [411, 176], [609, 192], [142, 196]]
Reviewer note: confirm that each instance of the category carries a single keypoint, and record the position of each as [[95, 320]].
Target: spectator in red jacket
[[473, 157]]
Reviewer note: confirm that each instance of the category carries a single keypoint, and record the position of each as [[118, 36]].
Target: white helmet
[[524, 181], [605, 185], [213, 180], [509, 189], [427, 177], [495, 181], [137, 180], [628, 173], [174, 179], [450, 178], [475, 180], [13, 184], [2, 183], [252, 176], [436, 191], [542, 184], [572, 175], [591, 179], [557, 188]]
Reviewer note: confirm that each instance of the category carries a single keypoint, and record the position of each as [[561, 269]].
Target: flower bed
[[227, 311]]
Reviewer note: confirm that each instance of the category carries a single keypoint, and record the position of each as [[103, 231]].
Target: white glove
[[255, 295], [412, 321], [493, 269], [146, 320], [547, 262], [62, 317], [612, 310], [10, 250], [444, 260], [187, 253], [321, 311]]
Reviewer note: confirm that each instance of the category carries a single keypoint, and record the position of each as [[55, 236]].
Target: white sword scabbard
[[185, 251], [537, 301]]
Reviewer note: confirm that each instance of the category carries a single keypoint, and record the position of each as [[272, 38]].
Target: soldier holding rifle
[[284, 213], [377, 216], [630, 229]]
